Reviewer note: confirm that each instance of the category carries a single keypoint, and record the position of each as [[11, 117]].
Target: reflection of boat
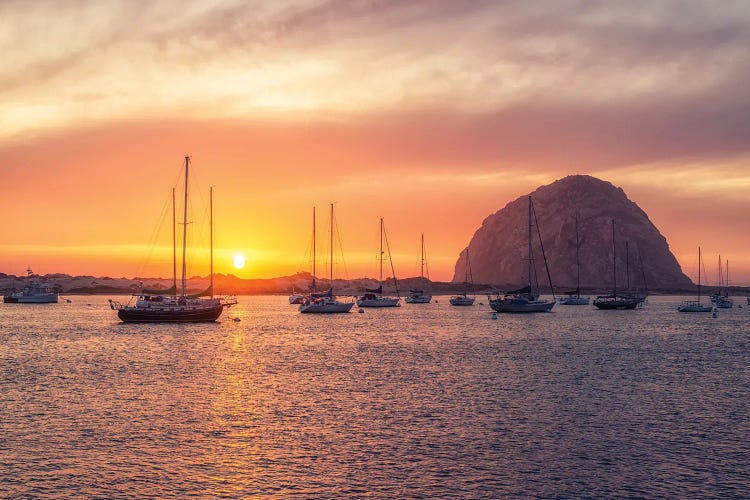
[[615, 301], [298, 297], [573, 297], [464, 299], [373, 297], [525, 300], [166, 305], [419, 296], [325, 302], [695, 305], [35, 292]]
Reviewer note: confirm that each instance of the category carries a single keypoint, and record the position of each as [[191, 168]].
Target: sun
[[239, 261]]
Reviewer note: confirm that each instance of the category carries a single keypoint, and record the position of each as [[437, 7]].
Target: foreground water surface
[[421, 401]]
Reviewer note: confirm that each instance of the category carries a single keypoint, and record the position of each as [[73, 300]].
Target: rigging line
[[152, 241], [390, 259], [341, 247], [544, 255]]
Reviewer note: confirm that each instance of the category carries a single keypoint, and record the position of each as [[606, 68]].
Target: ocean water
[[426, 401]]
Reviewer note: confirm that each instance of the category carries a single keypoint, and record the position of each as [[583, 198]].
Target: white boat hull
[[296, 298], [379, 302], [693, 307], [49, 298], [516, 306], [462, 301], [574, 301], [327, 308], [419, 299]]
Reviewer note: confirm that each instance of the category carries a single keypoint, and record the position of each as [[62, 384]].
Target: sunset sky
[[432, 114]]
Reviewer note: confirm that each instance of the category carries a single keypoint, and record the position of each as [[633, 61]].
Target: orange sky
[[432, 115]]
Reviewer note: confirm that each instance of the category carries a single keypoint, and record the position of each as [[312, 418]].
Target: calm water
[[422, 401]]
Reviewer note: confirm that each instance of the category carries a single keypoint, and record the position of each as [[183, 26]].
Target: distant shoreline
[[232, 285]]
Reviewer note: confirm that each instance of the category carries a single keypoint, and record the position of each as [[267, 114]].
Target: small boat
[[325, 302], [35, 292], [464, 299], [615, 301], [526, 300], [296, 298], [419, 296], [373, 297], [573, 297], [166, 306], [695, 305]]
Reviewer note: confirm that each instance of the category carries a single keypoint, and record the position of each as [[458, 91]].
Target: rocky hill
[[498, 249]]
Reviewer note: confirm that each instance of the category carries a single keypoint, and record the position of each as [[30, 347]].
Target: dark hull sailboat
[[166, 306], [186, 314], [616, 301]]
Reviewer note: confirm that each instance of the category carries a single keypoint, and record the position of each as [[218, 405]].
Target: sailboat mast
[[578, 261], [421, 269], [331, 257], [614, 262], [530, 264], [381, 250], [174, 244], [699, 275], [627, 264], [721, 278], [211, 234], [184, 228], [313, 274]]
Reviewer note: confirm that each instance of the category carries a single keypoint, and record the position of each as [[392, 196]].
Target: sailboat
[[374, 297], [419, 296], [298, 297], [525, 300], [721, 298], [464, 299], [615, 301], [35, 292], [695, 305], [573, 298], [639, 296], [326, 302], [161, 306]]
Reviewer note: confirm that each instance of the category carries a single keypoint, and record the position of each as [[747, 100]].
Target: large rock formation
[[498, 249]]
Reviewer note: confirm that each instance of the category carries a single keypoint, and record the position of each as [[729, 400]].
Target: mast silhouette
[[211, 234], [174, 244], [184, 229]]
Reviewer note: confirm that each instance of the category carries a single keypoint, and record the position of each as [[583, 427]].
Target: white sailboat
[[325, 302], [419, 296], [464, 299], [526, 299], [695, 305], [374, 297], [573, 298]]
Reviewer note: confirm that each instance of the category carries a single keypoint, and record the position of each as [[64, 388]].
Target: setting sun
[[239, 261]]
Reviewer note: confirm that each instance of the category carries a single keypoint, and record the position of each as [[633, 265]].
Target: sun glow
[[239, 261]]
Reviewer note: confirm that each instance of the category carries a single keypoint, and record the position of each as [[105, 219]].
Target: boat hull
[[192, 315], [33, 299], [462, 301], [419, 299], [692, 308], [329, 308], [616, 305], [296, 298], [516, 306], [573, 301], [379, 302]]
